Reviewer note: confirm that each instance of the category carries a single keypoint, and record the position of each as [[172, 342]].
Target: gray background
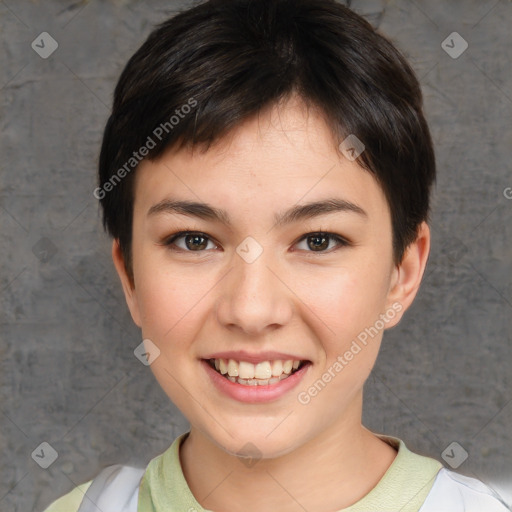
[[68, 375]]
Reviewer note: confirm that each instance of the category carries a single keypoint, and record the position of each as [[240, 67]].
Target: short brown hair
[[230, 59]]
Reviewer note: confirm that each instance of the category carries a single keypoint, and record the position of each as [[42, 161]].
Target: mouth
[[264, 373]]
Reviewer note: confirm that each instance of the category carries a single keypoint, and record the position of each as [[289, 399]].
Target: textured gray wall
[[68, 375]]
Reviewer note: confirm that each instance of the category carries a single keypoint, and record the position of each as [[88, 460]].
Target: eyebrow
[[294, 214]]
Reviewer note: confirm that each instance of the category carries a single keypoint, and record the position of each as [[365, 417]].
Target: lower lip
[[255, 394]]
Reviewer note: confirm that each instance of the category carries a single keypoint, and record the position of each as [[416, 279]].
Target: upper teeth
[[263, 370]]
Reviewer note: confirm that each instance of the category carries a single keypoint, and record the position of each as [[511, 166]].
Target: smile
[[263, 373]]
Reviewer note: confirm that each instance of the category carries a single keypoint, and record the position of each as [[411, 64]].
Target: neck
[[331, 471]]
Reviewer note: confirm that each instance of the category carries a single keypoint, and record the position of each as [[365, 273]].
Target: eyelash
[[342, 242]]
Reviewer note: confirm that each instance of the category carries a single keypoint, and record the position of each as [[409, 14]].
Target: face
[[260, 286]]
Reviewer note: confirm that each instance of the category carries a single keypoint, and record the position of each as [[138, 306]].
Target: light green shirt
[[163, 488]]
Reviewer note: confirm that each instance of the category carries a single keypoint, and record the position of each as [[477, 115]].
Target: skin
[[292, 299]]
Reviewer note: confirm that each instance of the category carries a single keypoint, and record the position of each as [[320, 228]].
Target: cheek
[[172, 305], [346, 300], [169, 301]]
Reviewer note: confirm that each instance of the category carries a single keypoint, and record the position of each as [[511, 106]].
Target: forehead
[[282, 157]]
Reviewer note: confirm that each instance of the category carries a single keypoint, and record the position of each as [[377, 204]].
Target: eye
[[320, 242], [193, 241]]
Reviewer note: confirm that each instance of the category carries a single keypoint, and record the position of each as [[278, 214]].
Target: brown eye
[[193, 242], [320, 242]]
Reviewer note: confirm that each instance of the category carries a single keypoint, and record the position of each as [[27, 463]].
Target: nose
[[254, 298]]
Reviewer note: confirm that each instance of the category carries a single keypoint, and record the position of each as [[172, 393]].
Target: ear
[[406, 277], [128, 286]]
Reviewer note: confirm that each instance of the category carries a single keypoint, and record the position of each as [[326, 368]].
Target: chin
[[257, 445]]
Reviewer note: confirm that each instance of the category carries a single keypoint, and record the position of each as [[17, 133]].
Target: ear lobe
[[128, 286], [407, 276]]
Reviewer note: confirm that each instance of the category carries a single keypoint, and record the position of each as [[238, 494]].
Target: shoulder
[[115, 487], [453, 492], [70, 501]]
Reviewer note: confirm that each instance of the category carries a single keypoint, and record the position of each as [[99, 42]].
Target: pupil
[[194, 238], [319, 245]]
